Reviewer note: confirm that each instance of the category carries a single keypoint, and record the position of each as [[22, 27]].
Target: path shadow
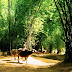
[[15, 62], [6, 60], [54, 57], [59, 67]]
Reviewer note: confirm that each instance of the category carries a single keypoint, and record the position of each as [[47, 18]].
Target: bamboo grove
[[46, 23]]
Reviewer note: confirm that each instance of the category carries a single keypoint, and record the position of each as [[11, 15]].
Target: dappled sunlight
[[36, 62], [8, 64], [32, 62], [35, 36]]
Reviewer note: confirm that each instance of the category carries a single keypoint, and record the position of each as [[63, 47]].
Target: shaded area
[[34, 62], [14, 62], [52, 56], [59, 67], [6, 60]]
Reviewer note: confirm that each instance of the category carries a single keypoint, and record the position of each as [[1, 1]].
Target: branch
[[65, 29], [63, 39], [35, 14], [60, 15], [1, 16], [69, 8], [61, 8], [3, 19]]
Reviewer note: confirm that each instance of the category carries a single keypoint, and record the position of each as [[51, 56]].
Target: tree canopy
[[36, 22]]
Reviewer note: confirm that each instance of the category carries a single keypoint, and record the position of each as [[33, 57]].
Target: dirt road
[[34, 64]]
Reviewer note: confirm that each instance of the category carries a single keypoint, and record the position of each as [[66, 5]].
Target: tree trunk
[[9, 19], [68, 55], [67, 26]]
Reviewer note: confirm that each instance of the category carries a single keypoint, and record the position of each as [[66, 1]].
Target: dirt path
[[34, 64]]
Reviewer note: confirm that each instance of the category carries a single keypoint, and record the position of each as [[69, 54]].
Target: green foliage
[[36, 22]]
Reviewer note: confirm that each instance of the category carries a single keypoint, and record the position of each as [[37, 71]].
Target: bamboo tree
[[9, 21], [32, 20], [66, 26]]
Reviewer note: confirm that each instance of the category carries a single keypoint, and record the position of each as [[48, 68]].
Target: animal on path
[[25, 54], [14, 53]]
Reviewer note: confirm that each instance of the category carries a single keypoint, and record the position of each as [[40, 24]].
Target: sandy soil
[[34, 64]]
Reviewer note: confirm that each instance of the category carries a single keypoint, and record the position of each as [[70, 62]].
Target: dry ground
[[58, 66]]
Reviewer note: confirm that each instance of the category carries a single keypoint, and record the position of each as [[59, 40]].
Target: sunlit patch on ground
[[36, 62], [31, 62]]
